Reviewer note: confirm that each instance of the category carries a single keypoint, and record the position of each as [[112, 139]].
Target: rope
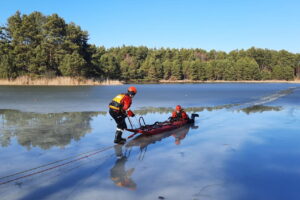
[[51, 163], [48, 176], [60, 165]]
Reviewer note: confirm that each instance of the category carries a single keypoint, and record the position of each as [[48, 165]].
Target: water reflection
[[142, 141], [59, 129], [164, 110], [118, 173], [248, 109], [43, 130], [260, 109]]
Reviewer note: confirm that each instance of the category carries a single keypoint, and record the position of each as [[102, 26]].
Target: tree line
[[36, 45]]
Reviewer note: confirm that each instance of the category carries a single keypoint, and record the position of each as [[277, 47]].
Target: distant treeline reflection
[[248, 110], [165, 110], [59, 129], [43, 130], [260, 108]]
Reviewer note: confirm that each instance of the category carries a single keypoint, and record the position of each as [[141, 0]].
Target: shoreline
[[57, 81], [222, 81], [69, 81]]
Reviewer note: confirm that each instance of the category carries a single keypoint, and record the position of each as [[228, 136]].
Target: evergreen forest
[[36, 45]]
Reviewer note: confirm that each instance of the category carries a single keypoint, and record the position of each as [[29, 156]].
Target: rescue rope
[[50, 168], [51, 163], [64, 171]]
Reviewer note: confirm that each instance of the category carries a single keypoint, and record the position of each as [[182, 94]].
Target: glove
[[130, 113]]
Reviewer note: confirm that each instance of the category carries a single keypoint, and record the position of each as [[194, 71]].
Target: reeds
[[223, 81], [63, 81]]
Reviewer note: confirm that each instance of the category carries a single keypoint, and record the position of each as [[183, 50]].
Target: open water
[[57, 143]]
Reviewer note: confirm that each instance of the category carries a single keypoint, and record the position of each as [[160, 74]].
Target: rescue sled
[[160, 127]]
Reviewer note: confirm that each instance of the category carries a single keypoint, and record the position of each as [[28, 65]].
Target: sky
[[223, 25]]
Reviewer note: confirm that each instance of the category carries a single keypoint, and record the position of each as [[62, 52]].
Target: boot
[[118, 138]]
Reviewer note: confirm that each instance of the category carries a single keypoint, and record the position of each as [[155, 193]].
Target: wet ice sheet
[[45, 99], [244, 151], [229, 156]]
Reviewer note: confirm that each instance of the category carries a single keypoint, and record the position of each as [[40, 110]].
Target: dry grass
[[25, 80], [221, 81], [69, 81]]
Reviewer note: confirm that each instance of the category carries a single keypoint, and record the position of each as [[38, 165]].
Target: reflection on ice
[[142, 141], [122, 177], [59, 129], [260, 108], [43, 130], [118, 174]]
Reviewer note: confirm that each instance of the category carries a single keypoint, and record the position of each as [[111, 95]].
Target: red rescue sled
[[160, 127]]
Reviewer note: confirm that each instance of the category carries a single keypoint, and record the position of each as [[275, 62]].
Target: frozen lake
[[57, 143]]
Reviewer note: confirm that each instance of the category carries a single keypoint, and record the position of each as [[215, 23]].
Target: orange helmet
[[132, 90], [178, 108]]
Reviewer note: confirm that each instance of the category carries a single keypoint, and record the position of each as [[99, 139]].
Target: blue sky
[[208, 24]]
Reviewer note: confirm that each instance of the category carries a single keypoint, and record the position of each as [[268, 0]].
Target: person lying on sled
[[178, 114]]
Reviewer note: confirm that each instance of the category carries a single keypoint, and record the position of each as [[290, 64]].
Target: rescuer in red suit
[[119, 110]]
